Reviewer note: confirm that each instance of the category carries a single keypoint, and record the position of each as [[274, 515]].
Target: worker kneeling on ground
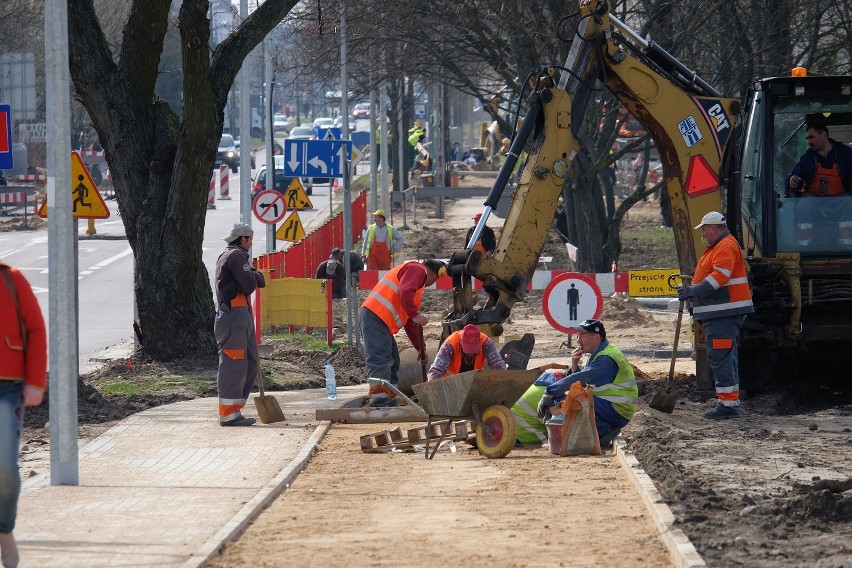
[[608, 370], [394, 303], [466, 350]]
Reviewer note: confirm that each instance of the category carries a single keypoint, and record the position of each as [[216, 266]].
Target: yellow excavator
[[717, 154]]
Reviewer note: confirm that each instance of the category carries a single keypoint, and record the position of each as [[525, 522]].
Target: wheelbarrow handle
[[398, 392]]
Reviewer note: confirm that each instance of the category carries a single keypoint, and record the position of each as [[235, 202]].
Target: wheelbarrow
[[485, 397]]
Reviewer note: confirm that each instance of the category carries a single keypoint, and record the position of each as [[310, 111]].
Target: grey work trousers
[[235, 335], [380, 349]]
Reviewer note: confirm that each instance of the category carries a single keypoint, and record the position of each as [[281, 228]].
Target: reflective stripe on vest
[[526, 416], [371, 235], [455, 364], [622, 392], [384, 300], [728, 299]]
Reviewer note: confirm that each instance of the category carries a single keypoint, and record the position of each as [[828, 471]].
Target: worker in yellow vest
[[382, 241]]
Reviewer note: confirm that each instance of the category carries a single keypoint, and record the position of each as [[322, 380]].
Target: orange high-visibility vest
[[384, 300], [722, 265], [455, 365]]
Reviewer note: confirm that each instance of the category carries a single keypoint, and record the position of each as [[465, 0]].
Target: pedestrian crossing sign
[[86, 199], [291, 229], [296, 196]]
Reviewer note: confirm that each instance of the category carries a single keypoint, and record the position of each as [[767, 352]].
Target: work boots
[[8, 550], [722, 412]]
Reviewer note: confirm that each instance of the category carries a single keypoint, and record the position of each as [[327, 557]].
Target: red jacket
[[13, 365]]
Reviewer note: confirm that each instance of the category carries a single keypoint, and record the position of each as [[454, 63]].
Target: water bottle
[[330, 381]]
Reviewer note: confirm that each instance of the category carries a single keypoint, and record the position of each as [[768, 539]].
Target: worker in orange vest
[[466, 350], [393, 304]]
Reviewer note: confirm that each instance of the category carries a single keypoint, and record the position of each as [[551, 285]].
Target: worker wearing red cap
[[466, 350], [487, 241]]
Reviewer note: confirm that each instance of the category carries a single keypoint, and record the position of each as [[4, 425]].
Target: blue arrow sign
[[316, 158]]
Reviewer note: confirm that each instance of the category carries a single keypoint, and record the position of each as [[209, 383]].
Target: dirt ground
[[770, 489]]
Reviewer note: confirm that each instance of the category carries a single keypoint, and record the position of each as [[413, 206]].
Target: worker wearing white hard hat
[[381, 242]]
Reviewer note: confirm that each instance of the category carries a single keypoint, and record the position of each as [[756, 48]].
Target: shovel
[[664, 399], [422, 352], [267, 406]]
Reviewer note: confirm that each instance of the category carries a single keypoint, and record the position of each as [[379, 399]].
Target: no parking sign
[[569, 299]]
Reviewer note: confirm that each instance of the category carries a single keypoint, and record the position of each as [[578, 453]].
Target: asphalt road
[[105, 265]]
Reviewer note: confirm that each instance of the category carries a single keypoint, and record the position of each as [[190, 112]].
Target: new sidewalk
[[165, 487]]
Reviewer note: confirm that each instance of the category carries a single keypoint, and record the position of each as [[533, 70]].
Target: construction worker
[[466, 350], [416, 135], [616, 391], [334, 270], [381, 243], [487, 240], [720, 297], [236, 279], [392, 304]]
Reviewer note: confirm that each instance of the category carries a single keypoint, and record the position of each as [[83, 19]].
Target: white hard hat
[[712, 218]]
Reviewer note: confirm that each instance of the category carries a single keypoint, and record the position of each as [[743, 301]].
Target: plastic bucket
[[554, 437]]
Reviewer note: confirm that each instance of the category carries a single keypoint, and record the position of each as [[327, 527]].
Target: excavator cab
[[798, 244], [775, 218]]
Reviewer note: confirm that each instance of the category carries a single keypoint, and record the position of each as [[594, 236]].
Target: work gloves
[[685, 293], [544, 406]]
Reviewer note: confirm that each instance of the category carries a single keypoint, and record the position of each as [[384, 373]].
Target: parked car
[[282, 182], [323, 122], [361, 110], [280, 123], [338, 122], [227, 153]]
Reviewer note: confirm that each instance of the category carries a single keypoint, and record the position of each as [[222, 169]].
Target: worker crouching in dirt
[[392, 304], [333, 269], [466, 350], [616, 392], [236, 279]]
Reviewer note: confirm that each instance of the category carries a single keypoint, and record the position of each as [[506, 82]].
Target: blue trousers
[[11, 422], [723, 357], [380, 349]]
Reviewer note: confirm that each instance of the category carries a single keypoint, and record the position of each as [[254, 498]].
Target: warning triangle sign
[[291, 229], [86, 199], [296, 196], [700, 178]]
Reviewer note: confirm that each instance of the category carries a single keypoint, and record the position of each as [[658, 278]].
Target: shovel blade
[[268, 409], [664, 401]]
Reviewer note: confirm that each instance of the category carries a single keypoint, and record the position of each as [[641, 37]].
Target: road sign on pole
[[569, 299], [316, 158], [269, 206], [5, 137]]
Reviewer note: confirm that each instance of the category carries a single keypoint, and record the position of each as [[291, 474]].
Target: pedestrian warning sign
[[291, 229], [86, 199], [296, 196]]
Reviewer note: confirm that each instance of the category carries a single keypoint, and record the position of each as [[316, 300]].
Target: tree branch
[[146, 27]]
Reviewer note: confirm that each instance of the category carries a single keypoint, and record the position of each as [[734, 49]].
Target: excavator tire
[[501, 440]]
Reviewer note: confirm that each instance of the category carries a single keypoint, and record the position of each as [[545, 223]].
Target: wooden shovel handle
[[674, 347], [422, 350]]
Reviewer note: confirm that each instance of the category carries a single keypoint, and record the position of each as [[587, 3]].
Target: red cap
[[470, 343], [477, 216]]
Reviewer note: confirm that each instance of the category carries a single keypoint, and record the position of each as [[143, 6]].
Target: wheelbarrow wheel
[[500, 441]]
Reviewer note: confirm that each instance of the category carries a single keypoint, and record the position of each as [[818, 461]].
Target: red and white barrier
[[608, 282], [92, 153], [31, 177], [13, 197], [211, 191], [224, 184]]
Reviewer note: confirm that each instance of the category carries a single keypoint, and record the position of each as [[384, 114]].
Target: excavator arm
[[690, 123]]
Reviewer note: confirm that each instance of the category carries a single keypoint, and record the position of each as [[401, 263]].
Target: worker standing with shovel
[[236, 279]]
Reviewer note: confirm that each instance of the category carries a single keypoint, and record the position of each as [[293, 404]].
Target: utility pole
[[62, 258], [245, 131]]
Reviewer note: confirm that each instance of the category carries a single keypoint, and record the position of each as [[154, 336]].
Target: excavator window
[[810, 224]]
